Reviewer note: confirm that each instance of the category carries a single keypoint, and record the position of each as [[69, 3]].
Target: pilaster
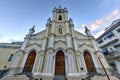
[[25, 42], [44, 43], [51, 41], [68, 40], [54, 14], [67, 27]]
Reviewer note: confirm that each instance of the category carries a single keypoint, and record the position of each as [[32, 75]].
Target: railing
[[113, 56], [108, 41]]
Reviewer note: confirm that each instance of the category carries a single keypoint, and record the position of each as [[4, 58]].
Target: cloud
[[104, 20], [81, 28], [99, 25]]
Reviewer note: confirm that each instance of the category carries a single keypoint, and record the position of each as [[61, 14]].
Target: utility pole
[[104, 68]]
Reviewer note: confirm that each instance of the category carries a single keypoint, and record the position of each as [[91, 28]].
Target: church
[[57, 53]]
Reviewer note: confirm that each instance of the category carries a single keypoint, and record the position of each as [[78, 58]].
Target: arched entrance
[[60, 64], [89, 62], [30, 62]]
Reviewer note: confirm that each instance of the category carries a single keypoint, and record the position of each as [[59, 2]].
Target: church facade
[[58, 50]]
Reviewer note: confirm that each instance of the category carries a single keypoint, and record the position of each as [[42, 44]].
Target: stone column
[[68, 36], [66, 14], [50, 64], [46, 34], [54, 14], [94, 44], [47, 63], [79, 63], [72, 62], [51, 39], [75, 42], [53, 27], [44, 43], [67, 27], [24, 43], [69, 63], [40, 63], [73, 33], [69, 44]]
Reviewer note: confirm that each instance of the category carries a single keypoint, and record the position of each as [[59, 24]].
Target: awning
[[105, 51], [117, 45], [109, 34], [100, 41]]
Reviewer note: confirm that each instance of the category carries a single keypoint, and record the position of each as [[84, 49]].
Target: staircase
[[60, 77]]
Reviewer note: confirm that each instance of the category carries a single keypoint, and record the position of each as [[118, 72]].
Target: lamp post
[[103, 67]]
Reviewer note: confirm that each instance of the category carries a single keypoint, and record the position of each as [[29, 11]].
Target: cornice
[[39, 45], [80, 45]]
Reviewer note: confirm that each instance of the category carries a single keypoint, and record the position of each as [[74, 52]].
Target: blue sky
[[18, 16]]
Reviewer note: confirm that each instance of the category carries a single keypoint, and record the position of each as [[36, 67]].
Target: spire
[[87, 31], [71, 21], [31, 31], [54, 9], [65, 9], [59, 7], [49, 20]]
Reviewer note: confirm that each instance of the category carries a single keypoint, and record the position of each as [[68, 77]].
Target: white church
[[59, 53]]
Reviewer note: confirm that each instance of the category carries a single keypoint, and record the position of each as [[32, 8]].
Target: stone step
[[60, 77]]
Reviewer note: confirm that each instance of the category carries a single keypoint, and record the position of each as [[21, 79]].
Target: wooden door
[[89, 62], [60, 63], [30, 62]]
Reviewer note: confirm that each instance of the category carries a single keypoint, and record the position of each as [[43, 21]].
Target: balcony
[[108, 41], [113, 56]]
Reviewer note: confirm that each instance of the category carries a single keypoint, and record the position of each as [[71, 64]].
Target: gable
[[80, 35], [39, 34]]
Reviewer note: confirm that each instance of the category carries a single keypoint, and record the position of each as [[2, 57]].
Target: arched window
[[60, 30], [89, 62], [30, 62], [60, 17], [10, 58]]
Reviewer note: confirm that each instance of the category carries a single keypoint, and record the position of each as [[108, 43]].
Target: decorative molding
[[80, 45], [60, 41], [68, 34], [39, 45], [70, 49], [78, 51], [51, 34], [50, 49]]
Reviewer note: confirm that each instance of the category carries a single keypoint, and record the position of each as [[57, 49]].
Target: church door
[[60, 63], [89, 62], [30, 62]]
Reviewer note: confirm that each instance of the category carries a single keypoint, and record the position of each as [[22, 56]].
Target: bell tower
[[60, 15], [61, 26]]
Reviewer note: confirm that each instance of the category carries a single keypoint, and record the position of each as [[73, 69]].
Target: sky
[[18, 16]]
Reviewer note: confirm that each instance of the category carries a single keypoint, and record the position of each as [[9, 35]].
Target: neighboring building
[[109, 42], [56, 52]]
